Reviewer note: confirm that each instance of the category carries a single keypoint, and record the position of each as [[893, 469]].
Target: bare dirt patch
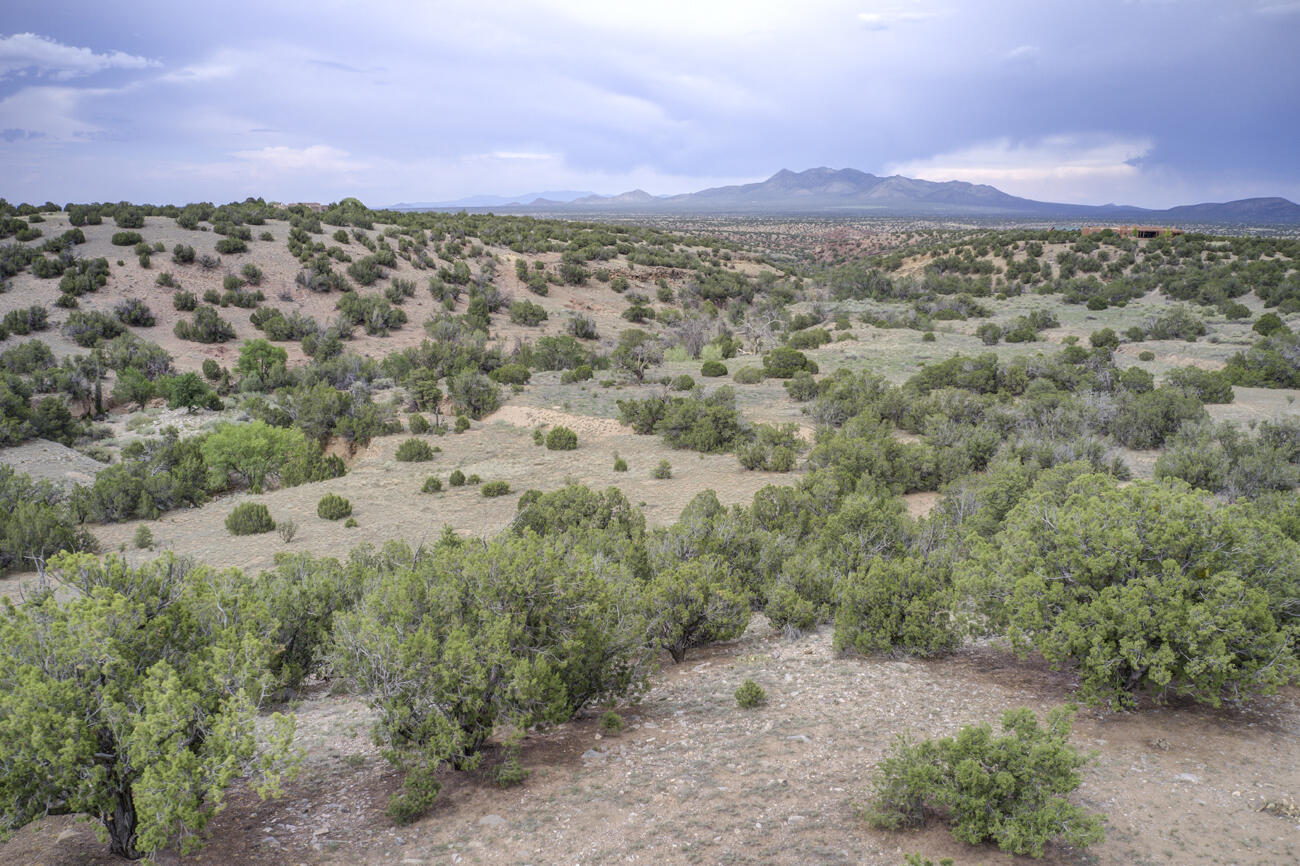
[[50, 461]]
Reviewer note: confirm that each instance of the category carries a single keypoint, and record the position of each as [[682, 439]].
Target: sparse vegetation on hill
[[929, 480]]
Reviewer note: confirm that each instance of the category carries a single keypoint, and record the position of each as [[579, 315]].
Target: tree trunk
[[121, 827]]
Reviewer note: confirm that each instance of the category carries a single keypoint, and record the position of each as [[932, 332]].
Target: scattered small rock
[[1188, 778], [491, 821]]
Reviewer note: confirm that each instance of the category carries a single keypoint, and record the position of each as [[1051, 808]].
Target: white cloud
[[1279, 8], [1021, 52], [1069, 167], [24, 53], [886, 18], [319, 158], [51, 111], [514, 154]]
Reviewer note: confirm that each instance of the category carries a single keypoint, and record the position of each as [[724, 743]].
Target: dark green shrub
[[1208, 386], [473, 394], [896, 604], [1145, 587], [87, 328], [230, 246], [525, 312], [801, 386], [183, 254], [427, 646], [143, 539], [457, 478], [783, 362], [620, 465], [211, 369], [134, 312], [418, 424], [1007, 789], [414, 451], [748, 376], [663, 470], [713, 369], [333, 507], [432, 484], [462, 424], [185, 301], [582, 327], [350, 523], [580, 373], [1146, 355], [750, 695], [249, 518], [25, 320], [989, 333], [683, 383], [511, 374], [693, 604], [1106, 338], [561, 439], [129, 217], [126, 239], [495, 488], [1267, 324], [611, 723], [928, 337], [207, 327]]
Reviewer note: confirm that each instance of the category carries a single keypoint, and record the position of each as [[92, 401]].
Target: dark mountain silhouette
[[829, 192], [561, 196]]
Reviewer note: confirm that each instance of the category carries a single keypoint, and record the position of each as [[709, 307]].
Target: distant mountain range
[[555, 196], [848, 192]]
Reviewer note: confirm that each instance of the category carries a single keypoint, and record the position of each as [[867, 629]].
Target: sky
[[1145, 102]]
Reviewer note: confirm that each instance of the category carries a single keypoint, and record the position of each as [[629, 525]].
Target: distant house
[[1134, 231]]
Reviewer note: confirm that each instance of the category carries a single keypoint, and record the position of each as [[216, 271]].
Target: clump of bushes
[[896, 605], [432, 484], [748, 376], [457, 478], [561, 439], [713, 369], [207, 327], [750, 695], [333, 507], [249, 518], [663, 470], [414, 451], [134, 312], [419, 424], [495, 488], [1007, 789], [784, 362]]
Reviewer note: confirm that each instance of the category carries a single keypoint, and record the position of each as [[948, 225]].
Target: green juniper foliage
[[1008, 789], [133, 701]]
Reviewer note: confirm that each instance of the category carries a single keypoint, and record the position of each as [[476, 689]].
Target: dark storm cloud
[[1150, 103]]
